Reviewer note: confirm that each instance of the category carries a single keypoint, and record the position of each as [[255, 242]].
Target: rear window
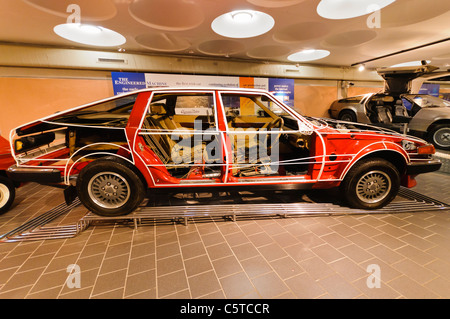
[[111, 113], [355, 99]]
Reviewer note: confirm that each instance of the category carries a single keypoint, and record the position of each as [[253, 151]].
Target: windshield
[[427, 100]]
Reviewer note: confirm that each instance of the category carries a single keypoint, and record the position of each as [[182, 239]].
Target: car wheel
[[440, 136], [371, 184], [348, 116], [7, 194], [109, 187]]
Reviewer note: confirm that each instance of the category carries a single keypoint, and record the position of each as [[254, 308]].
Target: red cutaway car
[[114, 152]]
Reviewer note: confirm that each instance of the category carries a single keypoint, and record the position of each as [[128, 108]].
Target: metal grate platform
[[36, 229], [184, 212]]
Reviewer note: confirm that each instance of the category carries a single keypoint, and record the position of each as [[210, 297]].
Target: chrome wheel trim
[[109, 190], [4, 195], [442, 137], [373, 187]]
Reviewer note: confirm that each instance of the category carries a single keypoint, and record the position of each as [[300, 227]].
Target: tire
[[370, 184], [348, 116], [110, 187], [439, 136], [7, 194]]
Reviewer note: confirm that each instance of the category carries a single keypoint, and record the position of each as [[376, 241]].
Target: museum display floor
[[273, 257]]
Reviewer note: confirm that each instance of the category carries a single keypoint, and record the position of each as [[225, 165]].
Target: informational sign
[[283, 89], [124, 82]]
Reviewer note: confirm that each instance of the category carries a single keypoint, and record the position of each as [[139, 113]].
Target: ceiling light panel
[[89, 34], [308, 55], [242, 24], [346, 9], [410, 63]]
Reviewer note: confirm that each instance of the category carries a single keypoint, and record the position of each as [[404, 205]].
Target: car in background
[[114, 152], [421, 115], [399, 106], [7, 186]]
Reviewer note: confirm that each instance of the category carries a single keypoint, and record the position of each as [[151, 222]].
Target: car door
[[181, 141], [265, 143]]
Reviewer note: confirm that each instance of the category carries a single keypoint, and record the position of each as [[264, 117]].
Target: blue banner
[[124, 82], [283, 89]]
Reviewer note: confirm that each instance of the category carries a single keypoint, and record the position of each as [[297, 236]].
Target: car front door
[[264, 142]]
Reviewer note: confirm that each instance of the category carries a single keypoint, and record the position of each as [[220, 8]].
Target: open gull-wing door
[[417, 83], [400, 80]]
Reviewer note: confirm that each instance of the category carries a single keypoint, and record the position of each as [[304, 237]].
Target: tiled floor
[[307, 257]]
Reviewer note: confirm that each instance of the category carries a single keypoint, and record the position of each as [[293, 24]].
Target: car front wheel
[[371, 184], [440, 136], [109, 187], [7, 194]]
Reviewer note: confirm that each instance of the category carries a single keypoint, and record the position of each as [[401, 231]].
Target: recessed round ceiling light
[[242, 16], [346, 9], [242, 24], [91, 29], [89, 34], [308, 55], [411, 63]]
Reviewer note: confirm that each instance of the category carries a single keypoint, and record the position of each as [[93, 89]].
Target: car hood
[[356, 127]]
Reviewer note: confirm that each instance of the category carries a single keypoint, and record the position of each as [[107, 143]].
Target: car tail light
[[426, 149]]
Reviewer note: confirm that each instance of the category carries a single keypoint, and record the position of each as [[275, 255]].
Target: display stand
[[407, 201]]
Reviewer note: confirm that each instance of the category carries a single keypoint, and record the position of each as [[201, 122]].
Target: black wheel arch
[[391, 156], [438, 122]]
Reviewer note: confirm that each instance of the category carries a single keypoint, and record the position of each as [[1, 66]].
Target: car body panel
[[422, 121], [206, 141]]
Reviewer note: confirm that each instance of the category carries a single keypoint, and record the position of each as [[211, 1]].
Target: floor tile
[[308, 257], [269, 285]]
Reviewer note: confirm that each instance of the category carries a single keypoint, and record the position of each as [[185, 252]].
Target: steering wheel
[[274, 140], [277, 123]]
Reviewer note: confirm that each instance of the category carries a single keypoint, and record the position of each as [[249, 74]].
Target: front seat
[[400, 110], [383, 113]]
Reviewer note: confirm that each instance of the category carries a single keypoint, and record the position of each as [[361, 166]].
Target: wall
[[26, 99], [314, 100], [43, 92]]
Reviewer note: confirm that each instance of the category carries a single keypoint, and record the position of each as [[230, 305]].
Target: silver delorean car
[[399, 109]]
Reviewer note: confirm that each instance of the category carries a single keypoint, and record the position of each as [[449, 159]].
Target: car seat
[[383, 113], [400, 110]]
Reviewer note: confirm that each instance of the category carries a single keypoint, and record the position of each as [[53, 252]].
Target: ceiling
[[183, 27]]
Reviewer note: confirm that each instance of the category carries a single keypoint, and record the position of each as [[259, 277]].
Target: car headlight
[[408, 145], [425, 149]]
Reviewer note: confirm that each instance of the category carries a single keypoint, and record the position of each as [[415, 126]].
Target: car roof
[[157, 89]]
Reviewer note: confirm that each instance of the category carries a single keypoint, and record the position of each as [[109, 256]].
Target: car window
[[182, 110], [245, 111], [428, 101], [354, 99], [111, 113]]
